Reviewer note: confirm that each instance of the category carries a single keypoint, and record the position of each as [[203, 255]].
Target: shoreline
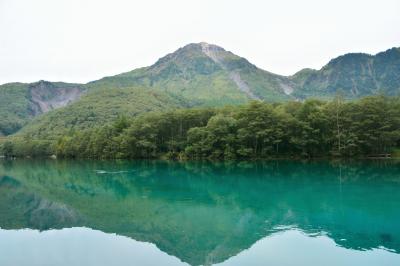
[[322, 158]]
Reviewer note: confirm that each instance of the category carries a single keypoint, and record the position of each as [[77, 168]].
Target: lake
[[56, 212]]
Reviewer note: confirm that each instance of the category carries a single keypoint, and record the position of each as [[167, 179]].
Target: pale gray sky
[[83, 40]]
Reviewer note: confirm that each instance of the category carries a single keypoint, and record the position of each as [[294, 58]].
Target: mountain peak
[[205, 45], [190, 58], [202, 45], [203, 58], [197, 49]]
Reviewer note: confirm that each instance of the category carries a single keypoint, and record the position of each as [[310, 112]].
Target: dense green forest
[[313, 128]]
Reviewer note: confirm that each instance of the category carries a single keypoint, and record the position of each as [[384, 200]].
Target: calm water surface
[[170, 213]]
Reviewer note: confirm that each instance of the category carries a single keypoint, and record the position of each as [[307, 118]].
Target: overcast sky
[[83, 40]]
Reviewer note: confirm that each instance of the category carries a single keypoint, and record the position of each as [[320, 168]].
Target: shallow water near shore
[[61, 212]]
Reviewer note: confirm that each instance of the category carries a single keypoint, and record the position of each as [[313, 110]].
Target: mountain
[[353, 75], [198, 74], [205, 74]]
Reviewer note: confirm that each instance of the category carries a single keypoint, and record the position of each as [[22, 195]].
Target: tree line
[[313, 128]]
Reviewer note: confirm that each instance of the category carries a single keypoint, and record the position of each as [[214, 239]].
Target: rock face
[[46, 96], [21, 102]]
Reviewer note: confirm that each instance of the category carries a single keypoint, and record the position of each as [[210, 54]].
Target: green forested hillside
[[98, 108], [370, 126]]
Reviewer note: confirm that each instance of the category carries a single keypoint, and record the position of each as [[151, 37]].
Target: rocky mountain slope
[[20, 102]]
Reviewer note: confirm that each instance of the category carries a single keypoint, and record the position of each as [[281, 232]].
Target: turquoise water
[[172, 213]]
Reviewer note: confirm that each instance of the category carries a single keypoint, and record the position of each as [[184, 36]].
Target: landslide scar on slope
[[45, 96], [213, 52]]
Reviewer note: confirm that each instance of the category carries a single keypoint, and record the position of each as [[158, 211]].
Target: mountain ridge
[[354, 75], [394, 48]]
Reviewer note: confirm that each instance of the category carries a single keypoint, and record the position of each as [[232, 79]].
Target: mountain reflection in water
[[207, 213]]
